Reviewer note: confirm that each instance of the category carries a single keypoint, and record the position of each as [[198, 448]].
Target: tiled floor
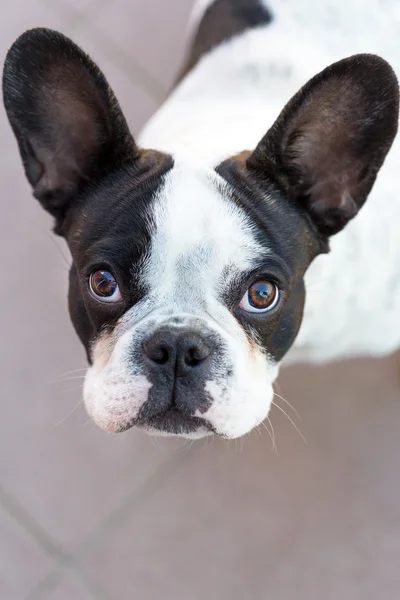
[[87, 516]]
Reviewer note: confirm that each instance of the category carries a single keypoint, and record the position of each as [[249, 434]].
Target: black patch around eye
[[284, 241], [276, 331], [112, 230], [288, 323], [267, 267]]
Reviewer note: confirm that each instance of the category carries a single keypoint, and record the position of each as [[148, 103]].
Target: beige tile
[[21, 15], [137, 105], [69, 589], [89, 8], [22, 563], [317, 521], [152, 33]]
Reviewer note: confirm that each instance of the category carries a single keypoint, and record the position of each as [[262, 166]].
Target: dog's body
[[187, 285], [353, 293]]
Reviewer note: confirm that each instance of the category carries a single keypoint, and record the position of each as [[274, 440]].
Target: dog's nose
[[178, 349]]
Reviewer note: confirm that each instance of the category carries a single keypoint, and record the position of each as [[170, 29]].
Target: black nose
[[182, 349]]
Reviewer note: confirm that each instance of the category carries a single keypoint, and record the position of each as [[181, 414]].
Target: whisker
[[288, 403], [61, 253], [154, 441], [57, 381], [271, 434], [274, 446], [92, 427], [74, 389], [257, 429], [68, 415], [67, 373], [185, 448], [291, 421]]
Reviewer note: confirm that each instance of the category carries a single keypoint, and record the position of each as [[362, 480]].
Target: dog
[[193, 245]]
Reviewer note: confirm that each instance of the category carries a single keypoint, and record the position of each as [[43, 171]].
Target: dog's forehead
[[199, 231]]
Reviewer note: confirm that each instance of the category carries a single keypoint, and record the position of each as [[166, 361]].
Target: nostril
[[160, 355], [192, 357], [196, 354], [157, 351], [177, 349]]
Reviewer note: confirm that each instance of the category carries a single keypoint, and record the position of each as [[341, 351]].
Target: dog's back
[[215, 22], [246, 59]]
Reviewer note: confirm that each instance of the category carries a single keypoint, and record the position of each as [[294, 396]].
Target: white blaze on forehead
[[199, 233]]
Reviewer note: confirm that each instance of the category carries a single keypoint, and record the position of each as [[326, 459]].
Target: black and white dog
[[192, 245]]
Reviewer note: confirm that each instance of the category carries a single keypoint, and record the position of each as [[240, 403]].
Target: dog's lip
[[173, 420], [170, 420]]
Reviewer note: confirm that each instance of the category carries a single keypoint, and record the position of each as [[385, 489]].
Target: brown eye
[[262, 296], [104, 286]]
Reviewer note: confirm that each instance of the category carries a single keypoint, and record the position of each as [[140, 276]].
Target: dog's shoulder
[[218, 22]]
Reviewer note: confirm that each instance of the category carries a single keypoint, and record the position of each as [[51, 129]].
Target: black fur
[[328, 144], [67, 121], [222, 20], [111, 229], [84, 167], [287, 247]]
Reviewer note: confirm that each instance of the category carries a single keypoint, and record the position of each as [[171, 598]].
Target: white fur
[[199, 241], [113, 393], [228, 102], [194, 221]]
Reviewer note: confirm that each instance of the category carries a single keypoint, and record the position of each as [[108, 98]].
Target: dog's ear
[[67, 121], [325, 149]]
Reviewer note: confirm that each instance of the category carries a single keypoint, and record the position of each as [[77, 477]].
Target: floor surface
[[85, 515]]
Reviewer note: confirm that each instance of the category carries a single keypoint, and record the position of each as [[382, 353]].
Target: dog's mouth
[[173, 421]]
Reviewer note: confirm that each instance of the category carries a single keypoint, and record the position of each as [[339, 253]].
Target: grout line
[[45, 586], [49, 583], [134, 501], [23, 518], [62, 558], [42, 590]]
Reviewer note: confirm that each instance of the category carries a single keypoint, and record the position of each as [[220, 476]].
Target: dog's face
[[186, 286], [185, 301]]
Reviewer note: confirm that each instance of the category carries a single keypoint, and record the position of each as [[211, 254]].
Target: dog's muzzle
[[178, 362]]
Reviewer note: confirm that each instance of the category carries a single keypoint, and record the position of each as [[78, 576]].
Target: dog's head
[[186, 286]]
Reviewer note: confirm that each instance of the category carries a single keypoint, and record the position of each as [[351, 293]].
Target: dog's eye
[[262, 296], [104, 286]]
